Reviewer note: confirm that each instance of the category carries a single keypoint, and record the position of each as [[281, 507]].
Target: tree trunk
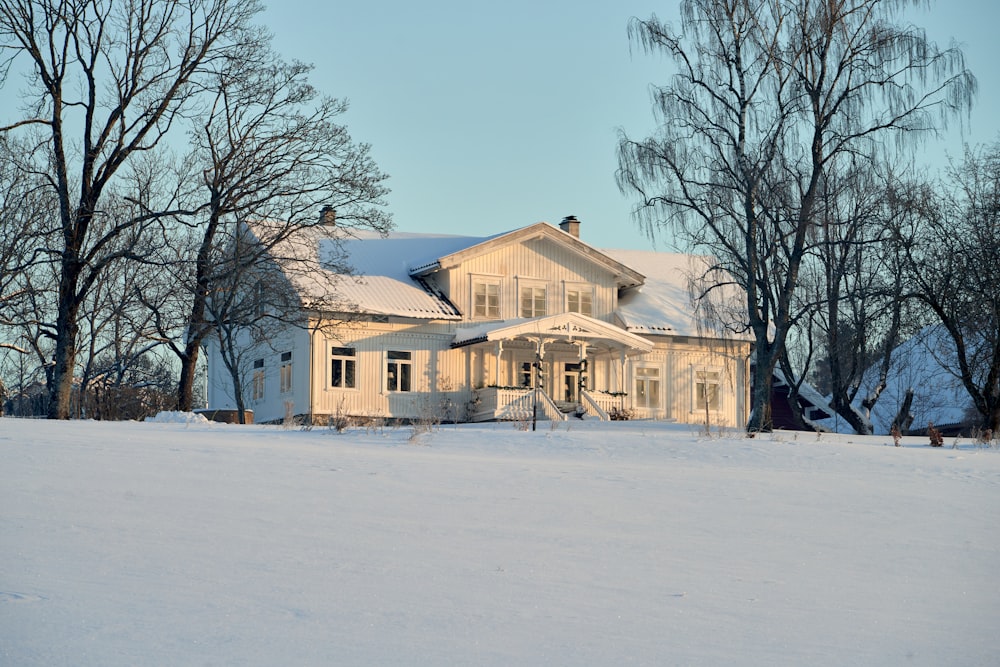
[[798, 419], [197, 327], [993, 419], [241, 408], [67, 331], [903, 418], [185, 385], [763, 382], [841, 404]]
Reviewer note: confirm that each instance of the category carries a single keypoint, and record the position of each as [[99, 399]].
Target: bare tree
[[253, 303], [107, 82], [852, 288], [267, 147], [117, 339], [769, 96], [955, 270], [23, 208], [130, 387]]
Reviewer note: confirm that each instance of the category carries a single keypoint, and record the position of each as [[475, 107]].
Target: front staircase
[[570, 409]]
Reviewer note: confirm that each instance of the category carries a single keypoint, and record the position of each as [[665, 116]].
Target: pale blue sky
[[490, 116]]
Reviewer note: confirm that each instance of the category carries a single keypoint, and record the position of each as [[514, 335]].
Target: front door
[[571, 383]]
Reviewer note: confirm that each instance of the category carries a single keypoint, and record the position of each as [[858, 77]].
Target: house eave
[[564, 327], [625, 277]]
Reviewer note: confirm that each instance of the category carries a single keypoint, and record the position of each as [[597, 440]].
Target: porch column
[[621, 371], [584, 364], [624, 381], [542, 376], [497, 381]]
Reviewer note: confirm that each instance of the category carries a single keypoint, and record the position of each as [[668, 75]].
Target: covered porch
[[550, 367]]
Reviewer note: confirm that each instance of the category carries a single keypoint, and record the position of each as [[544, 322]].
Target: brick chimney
[[328, 216], [571, 226]]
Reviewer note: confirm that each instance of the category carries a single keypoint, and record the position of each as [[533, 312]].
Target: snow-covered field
[[638, 543]]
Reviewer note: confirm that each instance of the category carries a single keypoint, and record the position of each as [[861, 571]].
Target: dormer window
[[532, 301], [486, 300], [580, 300]]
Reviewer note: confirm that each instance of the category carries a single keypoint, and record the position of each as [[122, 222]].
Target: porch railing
[[548, 407], [592, 406], [605, 402], [514, 404]]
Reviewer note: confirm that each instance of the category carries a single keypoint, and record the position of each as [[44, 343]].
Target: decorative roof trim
[[626, 277], [562, 327]]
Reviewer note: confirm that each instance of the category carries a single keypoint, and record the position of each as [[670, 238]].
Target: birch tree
[[768, 96]]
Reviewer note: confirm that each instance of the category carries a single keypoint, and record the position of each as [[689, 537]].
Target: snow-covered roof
[[664, 304], [938, 396], [386, 276], [808, 395], [378, 281]]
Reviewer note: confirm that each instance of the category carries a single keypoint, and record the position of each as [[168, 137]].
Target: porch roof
[[564, 327]]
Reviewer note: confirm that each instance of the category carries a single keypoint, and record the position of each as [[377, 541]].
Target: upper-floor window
[[342, 367], [486, 300], [258, 379], [286, 372], [532, 301], [580, 300], [706, 389], [398, 370]]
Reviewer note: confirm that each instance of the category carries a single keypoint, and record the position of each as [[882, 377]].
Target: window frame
[[699, 376], [526, 374], [285, 375], [399, 371], [259, 381], [348, 362], [486, 282], [580, 290], [534, 288], [655, 379]]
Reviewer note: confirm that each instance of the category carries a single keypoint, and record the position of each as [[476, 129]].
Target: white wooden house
[[474, 329]]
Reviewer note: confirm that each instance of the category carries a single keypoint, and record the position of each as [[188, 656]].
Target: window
[[706, 390], [580, 301], [258, 379], [486, 300], [398, 371], [647, 387], [532, 301], [342, 367], [526, 374], [286, 372]]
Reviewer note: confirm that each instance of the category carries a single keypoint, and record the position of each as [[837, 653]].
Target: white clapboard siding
[[537, 262], [445, 380], [437, 371]]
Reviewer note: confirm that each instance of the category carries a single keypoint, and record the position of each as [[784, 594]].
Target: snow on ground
[[187, 543]]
